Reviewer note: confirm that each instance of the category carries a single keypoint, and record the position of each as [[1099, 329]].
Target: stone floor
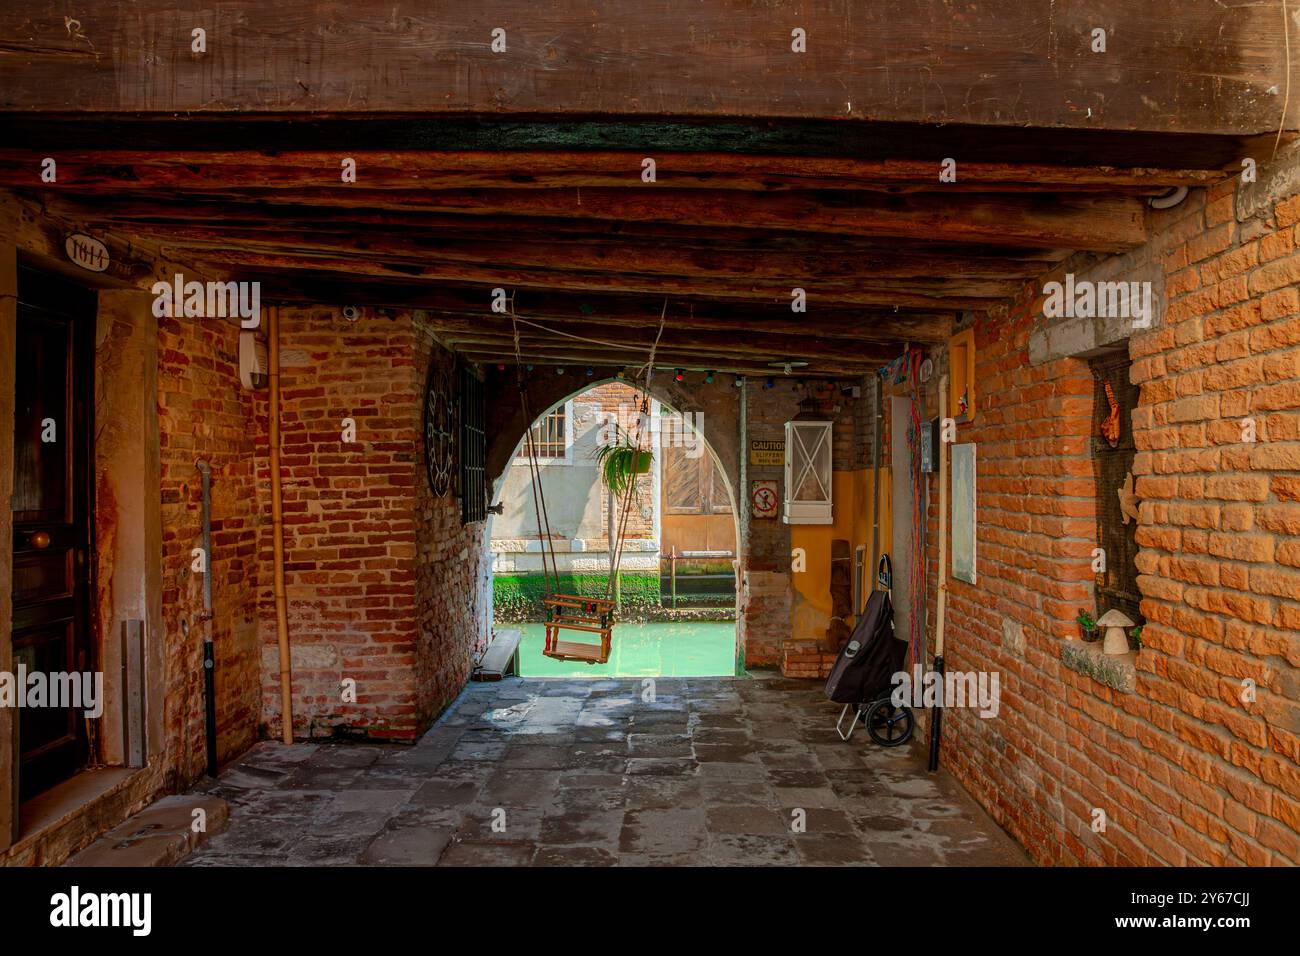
[[562, 772]]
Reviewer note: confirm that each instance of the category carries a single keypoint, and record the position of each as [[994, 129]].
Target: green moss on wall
[[518, 597]]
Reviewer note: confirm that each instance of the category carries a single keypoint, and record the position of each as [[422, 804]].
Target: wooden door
[[52, 516]]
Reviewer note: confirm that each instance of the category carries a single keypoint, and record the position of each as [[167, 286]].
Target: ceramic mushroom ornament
[[1116, 623]]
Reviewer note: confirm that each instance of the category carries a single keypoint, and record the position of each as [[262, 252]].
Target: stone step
[[161, 834], [501, 657]]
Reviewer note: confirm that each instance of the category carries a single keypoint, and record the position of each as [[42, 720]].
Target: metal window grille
[[550, 435], [473, 447], [1117, 585]]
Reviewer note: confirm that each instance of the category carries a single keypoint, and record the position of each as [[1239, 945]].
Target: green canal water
[[675, 649]]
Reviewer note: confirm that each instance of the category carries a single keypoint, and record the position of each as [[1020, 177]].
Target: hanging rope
[[630, 491], [534, 470]]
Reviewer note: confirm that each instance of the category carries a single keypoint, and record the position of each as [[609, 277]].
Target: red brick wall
[[204, 413], [1185, 771], [452, 574], [384, 586], [623, 403]]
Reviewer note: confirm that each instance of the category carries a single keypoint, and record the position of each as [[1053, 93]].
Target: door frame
[[8, 371], [78, 304], [127, 466]]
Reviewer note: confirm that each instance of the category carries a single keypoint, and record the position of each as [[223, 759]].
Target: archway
[[570, 417]]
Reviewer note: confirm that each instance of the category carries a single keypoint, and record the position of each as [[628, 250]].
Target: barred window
[[473, 447], [552, 434], [1112, 465]]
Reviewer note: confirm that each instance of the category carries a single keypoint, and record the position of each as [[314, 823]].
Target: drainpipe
[[875, 481], [277, 523], [209, 658]]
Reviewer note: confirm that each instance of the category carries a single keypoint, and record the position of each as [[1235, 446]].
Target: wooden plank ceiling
[[885, 252], [522, 169]]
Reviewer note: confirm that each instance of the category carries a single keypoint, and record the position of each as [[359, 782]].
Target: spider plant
[[620, 462]]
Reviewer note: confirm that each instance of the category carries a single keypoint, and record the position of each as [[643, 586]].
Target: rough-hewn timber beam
[[1073, 221], [676, 339], [576, 356], [1169, 65], [111, 172], [917, 293], [185, 217], [448, 307], [481, 259]]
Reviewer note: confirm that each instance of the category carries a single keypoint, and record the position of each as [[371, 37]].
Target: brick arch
[[718, 404]]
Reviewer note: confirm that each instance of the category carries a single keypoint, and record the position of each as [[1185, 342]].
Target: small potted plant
[[620, 462], [1087, 626], [1135, 637]]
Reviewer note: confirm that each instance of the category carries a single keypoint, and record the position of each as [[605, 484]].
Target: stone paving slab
[[559, 772]]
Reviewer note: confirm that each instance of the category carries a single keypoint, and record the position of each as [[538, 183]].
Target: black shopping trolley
[[862, 678]]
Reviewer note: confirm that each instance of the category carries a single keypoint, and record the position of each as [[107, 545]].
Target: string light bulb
[[680, 376], [708, 378], [770, 383], [590, 372], [559, 370], [739, 381]]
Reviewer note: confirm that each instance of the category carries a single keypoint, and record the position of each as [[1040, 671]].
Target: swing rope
[[630, 491], [534, 468], [534, 472]]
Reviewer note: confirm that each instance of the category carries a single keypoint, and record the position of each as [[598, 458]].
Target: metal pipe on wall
[[209, 655], [277, 522], [875, 481]]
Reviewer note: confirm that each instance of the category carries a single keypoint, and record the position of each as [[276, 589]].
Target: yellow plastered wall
[[854, 503]]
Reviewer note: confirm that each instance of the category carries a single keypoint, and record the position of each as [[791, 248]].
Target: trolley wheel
[[888, 725]]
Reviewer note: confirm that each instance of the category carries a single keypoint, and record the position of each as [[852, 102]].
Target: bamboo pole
[[277, 521], [941, 601]]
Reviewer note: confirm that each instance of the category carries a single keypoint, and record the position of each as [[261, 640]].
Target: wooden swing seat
[[567, 612]]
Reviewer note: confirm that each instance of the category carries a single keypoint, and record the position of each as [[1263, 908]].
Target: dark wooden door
[[52, 516]]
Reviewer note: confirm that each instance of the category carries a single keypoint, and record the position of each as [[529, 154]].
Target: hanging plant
[[620, 462]]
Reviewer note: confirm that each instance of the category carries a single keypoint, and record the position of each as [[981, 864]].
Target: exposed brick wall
[[203, 412], [384, 586], [624, 404], [1186, 772], [453, 571]]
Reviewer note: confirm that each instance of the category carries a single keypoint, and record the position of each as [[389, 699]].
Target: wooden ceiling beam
[[675, 340], [182, 218], [1071, 221], [700, 259], [1171, 65], [447, 306], [117, 171], [934, 294], [563, 355], [544, 365]]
